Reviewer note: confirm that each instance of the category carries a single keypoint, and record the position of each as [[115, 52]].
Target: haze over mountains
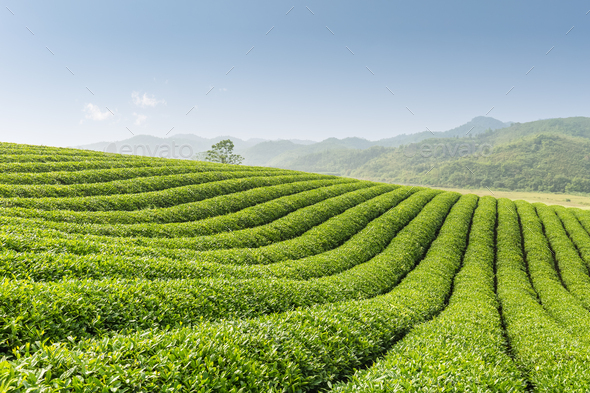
[[263, 152], [546, 155]]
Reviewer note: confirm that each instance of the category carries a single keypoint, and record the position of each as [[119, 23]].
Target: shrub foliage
[[135, 274]]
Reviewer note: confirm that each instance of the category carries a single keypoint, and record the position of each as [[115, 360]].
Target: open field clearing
[[567, 200], [134, 274]]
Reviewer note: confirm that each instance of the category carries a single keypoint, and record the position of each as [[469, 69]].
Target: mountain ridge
[[262, 152]]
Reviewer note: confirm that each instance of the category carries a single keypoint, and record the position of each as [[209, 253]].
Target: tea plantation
[[135, 274]]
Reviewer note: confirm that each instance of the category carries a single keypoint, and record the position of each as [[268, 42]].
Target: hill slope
[[297, 157], [547, 155], [278, 153], [143, 274]]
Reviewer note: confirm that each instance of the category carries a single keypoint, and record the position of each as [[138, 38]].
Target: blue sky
[[151, 62]]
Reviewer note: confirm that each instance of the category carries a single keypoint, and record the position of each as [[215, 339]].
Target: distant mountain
[[476, 126], [205, 143], [547, 155], [186, 146], [263, 152], [280, 153], [302, 141], [284, 158], [298, 158]]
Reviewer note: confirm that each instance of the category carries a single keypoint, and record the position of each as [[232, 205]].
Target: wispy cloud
[[139, 119], [223, 89], [145, 100], [93, 112]]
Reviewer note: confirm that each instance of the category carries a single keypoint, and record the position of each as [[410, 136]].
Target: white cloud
[[223, 89], [139, 119], [93, 112], [145, 100]]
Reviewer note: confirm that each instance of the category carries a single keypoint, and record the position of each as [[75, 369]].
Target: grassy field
[[567, 200], [135, 274]]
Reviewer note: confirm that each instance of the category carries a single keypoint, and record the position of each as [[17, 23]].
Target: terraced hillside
[[123, 273]]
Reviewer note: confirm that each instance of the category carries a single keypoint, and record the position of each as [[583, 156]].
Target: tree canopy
[[222, 152]]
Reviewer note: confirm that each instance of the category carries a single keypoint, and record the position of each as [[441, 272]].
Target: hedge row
[[559, 303], [129, 186], [302, 350], [337, 230], [187, 212], [323, 225], [464, 348], [82, 308], [52, 266], [17, 148], [49, 266], [254, 207], [91, 163], [371, 240], [304, 237], [583, 217], [154, 199], [112, 174], [36, 157], [572, 270], [576, 232], [553, 360]]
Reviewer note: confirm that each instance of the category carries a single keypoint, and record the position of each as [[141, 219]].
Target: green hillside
[[278, 153], [135, 274], [547, 155], [305, 157]]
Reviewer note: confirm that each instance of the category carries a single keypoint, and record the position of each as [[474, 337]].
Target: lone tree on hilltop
[[222, 152]]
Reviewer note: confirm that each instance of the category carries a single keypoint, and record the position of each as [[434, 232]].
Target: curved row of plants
[[88, 176], [56, 156], [576, 232], [254, 207], [91, 163], [462, 349], [572, 270], [59, 155], [17, 148], [128, 186], [302, 350], [55, 265], [49, 156], [34, 157], [49, 266], [81, 308], [354, 210], [305, 232], [552, 359], [154, 199], [417, 210], [546, 280], [186, 212], [583, 217]]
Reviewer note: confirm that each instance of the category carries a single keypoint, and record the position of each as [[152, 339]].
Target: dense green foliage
[[331, 154], [122, 273], [223, 152], [552, 358], [545, 155], [572, 270], [547, 277], [463, 349]]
